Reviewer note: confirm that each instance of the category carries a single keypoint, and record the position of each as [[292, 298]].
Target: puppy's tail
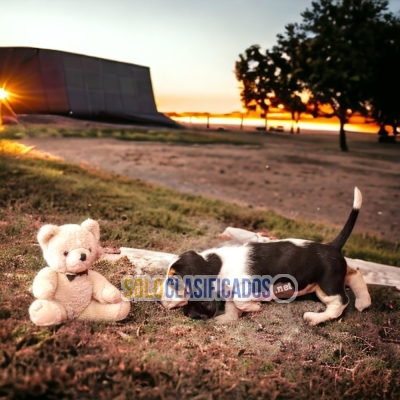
[[341, 239]]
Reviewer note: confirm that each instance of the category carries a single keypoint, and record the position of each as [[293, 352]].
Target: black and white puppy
[[317, 267]]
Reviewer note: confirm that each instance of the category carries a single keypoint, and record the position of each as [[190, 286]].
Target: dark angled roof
[[58, 82]]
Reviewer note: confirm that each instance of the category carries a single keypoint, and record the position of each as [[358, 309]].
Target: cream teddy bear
[[67, 289]]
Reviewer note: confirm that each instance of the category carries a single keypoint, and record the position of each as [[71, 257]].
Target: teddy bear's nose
[[83, 257]]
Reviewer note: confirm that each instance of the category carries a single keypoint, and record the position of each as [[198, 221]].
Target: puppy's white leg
[[357, 284], [248, 306], [231, 314], [334, 308]]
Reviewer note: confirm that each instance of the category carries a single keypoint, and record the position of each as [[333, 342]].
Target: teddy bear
[[67, 288]]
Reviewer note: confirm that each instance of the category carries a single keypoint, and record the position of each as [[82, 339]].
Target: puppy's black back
[[307, 264]]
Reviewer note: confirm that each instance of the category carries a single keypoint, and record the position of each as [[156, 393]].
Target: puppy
[[312, 267]]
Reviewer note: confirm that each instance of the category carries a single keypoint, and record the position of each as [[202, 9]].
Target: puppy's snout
[[83, 257], [193, 314], [200, 309]]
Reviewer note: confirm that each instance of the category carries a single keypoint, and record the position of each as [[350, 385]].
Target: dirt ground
[[300, 176]]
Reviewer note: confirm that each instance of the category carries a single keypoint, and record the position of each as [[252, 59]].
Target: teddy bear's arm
[[45, 284], [103, 290]]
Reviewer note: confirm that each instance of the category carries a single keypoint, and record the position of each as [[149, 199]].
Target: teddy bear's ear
[[46, 232], [93, 227]]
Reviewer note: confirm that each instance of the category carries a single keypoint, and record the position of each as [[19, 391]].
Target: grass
[[130, 134], [161, 354], [137, 213]]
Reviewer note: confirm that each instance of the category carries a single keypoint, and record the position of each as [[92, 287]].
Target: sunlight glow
[[14, 148], [3, 94], [307, 124]]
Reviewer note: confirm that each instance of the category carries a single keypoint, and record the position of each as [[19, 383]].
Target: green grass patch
[[134, 213], [181, 136]]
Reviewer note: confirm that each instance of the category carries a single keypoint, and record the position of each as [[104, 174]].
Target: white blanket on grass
[[146, 260]]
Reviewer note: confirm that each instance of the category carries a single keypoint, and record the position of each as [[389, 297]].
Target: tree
[[336, 54], [290, 83], [256, 73], [385, 82], [345, 54]]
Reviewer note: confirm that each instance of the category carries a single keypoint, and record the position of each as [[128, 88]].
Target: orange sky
[[203, 102], [356, 123]]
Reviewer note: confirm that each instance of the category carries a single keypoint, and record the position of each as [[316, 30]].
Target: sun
[[3, 94]]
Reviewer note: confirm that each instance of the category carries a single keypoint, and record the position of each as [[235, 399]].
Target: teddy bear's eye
[[90, 250], [65, 253]]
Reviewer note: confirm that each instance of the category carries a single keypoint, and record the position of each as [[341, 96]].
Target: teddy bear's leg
[[96, 311], [103, 290], [47, 312], [111, 294]]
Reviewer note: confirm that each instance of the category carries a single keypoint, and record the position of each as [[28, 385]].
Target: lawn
[[156, 353], [163, 135]]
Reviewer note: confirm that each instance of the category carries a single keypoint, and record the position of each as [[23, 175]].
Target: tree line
[[342, 58]]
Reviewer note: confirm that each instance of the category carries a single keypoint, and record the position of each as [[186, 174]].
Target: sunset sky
[[190, 45]]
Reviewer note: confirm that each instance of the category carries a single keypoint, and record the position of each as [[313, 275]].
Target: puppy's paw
[[225, 319], [312, 318], [363, 303], [249, 306]]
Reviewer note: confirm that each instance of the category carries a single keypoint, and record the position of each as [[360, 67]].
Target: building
[[56, 82]]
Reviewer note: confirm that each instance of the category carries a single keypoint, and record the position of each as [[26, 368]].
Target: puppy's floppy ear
[[46, 232], [93, 227], [189, 263]]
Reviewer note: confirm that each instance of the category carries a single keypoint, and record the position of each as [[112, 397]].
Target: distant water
[[305, 125]]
